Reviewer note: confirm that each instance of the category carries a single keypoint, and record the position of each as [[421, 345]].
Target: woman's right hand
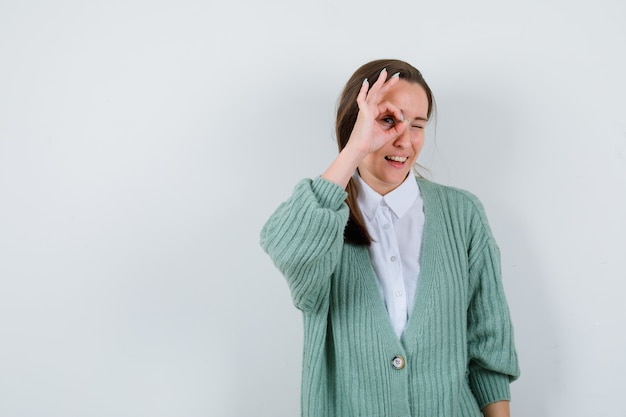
[[378, 121]]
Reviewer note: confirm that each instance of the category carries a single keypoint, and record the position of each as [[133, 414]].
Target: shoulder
[[455, 206], [319, 191], [450, 196]]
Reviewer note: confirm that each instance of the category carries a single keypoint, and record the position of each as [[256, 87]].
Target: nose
[[403, 140]]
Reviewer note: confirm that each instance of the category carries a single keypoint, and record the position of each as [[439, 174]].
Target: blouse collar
[[399, 200]]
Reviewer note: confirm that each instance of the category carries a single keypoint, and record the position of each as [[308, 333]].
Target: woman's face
[[385, 169]]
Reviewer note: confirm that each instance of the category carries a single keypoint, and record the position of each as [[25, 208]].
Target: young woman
[[398, 278]]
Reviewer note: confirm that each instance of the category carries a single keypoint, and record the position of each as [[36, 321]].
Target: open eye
[[388, 120]]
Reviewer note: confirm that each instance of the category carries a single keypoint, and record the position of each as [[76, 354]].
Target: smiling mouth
[[401, 159]]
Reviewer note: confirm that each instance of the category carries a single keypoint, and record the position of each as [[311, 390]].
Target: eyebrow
[[418, 118]]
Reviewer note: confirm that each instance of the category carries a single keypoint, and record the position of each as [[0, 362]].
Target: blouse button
[[398, 362]]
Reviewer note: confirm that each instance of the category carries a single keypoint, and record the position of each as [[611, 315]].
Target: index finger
[[382, 84], [386, 107]]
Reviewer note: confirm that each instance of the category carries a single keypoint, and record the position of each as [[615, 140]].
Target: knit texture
[[458, 344]]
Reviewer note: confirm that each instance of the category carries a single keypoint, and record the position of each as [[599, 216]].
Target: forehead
[[409, 97]]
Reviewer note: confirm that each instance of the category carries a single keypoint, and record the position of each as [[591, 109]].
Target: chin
[[398, 178]]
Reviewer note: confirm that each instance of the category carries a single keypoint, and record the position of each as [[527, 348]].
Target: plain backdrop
[[143, 144]]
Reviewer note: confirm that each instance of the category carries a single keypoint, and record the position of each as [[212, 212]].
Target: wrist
[[497, 409], [343, 167], [354, 152]]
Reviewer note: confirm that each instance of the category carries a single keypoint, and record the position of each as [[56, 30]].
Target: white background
[[143, 144]]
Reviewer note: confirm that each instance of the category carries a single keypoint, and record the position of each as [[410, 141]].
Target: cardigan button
[[398, 362]]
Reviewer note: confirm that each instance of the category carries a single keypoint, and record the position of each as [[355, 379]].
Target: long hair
[[347, 112]]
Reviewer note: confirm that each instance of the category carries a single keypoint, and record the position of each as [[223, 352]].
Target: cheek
[[417, 142]]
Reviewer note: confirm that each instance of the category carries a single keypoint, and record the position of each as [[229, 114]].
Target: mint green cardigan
[[458, 347]]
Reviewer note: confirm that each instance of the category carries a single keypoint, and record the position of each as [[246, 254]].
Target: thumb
[[401, 127]]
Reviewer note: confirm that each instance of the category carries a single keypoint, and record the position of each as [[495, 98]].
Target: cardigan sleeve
[[304, 238], [493, 360]]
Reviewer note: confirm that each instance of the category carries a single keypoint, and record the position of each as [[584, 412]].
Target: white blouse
[[396, 224]]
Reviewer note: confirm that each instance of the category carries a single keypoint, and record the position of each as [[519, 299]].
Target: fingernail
[[396, 75], [384, 69], [365, 81], [402, 117]]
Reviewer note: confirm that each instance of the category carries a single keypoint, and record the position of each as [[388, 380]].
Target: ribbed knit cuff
[[489, 387], [328, 194]]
